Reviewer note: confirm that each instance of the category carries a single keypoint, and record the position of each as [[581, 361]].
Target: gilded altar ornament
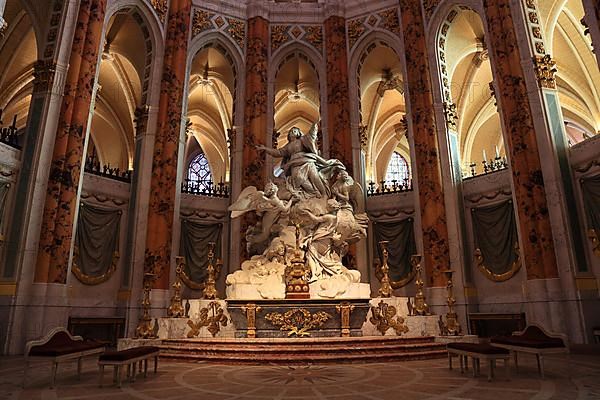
[[451, 326], [212, 317], [298, 321], [420, 306], [345, 309], [382, 317], [176, 309], [297, 273], [514, 267], [385, 290], [593, 236], [144, 329], [210, 289], [251, 309]]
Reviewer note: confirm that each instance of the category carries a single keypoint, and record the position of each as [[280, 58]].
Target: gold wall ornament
[[364, 138], [420, 306], [210, 289], [89, 279], [382, 317], [451, 326], [144, 329], [385, 289], [237, 31], [314, 36], [451, 115], [212, 317], [43, 73], [279, 36], [514, 267], [176, 309], [201, 22], [545, 69], [345, 309], [161, 7], [251, 309], [298, 321]]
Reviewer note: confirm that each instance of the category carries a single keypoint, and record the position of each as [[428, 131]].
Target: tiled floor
[[428, 379]]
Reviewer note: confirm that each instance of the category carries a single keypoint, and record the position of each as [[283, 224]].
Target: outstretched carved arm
[[269, 151]]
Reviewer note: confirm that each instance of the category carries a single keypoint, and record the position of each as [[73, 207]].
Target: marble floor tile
[[426, 379]]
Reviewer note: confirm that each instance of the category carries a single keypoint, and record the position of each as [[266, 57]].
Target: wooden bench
[[534, 340], [59, 346], [131, 358], [478, 351]]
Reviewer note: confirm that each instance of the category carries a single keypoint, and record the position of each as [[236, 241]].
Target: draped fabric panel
[[401, 246], [4, 186], [495, 232], [590, 188], [97, 239], [195, 237]]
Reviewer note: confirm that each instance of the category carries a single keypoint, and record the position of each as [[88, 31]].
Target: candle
[[484, 155], [497, 152], [14, 124]]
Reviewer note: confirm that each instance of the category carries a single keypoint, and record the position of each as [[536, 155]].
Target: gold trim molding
[[514, 268], [8, 288], [93, 280]]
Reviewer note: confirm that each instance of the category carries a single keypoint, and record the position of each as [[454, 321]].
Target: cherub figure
[[264, 203]]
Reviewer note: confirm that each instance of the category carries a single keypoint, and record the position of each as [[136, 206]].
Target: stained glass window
[[397, 169], [199, 172]]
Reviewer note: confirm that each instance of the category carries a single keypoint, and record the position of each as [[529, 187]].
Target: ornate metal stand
[[176, 309], [452, 326], [210, 289], [385, 290], [420, 306], [145, 330], [297, 274]]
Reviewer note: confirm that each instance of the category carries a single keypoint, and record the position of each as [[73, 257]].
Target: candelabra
[[145, 330], [210, 290], [452, 326], [420, 307], [297, 274], [176, 309], [385, 289]]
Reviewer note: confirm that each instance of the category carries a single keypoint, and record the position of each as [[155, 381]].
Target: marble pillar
[[338, 92], [537, 244], [163, 185], [65, 170], [254, 170], [436, 256]]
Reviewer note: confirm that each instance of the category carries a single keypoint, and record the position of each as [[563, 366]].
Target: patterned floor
[[429, 379]]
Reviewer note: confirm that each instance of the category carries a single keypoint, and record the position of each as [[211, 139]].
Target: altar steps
[[303, 350]]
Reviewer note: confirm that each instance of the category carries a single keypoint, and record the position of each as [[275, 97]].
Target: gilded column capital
[[43, 75], [545, 69]]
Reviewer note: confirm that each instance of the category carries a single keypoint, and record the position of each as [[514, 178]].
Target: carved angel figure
[[266, 204]]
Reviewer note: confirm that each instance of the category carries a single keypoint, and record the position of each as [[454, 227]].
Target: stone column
[[537, 245], [163, 186], [65, 170], [338, 92], [422, 120], [254, 171], [255, 110]]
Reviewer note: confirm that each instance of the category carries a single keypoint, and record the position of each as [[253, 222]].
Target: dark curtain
[[590, 188], [195, 237], [97, 238], [4, 186], [495, 231], [401, 246]]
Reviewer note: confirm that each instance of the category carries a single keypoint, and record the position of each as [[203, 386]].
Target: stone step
[[303, 350]]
